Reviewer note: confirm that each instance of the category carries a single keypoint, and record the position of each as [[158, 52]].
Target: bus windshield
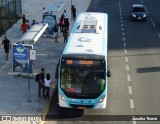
[[82, 82]]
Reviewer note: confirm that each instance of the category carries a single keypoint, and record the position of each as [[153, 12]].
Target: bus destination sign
[[82, 62]]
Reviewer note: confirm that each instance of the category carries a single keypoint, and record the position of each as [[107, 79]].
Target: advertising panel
[[21, 58]]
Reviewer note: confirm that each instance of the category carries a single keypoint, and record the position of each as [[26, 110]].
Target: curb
[[47, 107]]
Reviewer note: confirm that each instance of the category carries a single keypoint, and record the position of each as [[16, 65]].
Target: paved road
[[134, 61]]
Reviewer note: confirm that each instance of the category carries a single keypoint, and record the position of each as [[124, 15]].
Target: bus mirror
[[109, 73]]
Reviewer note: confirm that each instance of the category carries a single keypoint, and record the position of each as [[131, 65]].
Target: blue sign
[[20, 52]]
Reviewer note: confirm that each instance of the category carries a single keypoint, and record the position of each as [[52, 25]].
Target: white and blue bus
[[83, 68]]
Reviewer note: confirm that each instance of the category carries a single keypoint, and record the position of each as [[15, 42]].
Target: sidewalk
[[14, 88]]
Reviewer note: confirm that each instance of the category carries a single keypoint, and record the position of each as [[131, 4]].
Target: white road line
[[141, 1], [8, 62], [131, 104], [126, 59], [125, 51], [122, 29], [133, 122], [121, 21], [121, 25], [130, 89], [124, 39], [152, 22], [124, 44], [128, 78], [127, 67], [121, 18], [122, 33], [158, 35]]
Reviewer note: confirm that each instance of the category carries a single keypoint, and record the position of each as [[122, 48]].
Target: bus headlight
[[101, 100], [144, 15], [133, 15], [62, 97]]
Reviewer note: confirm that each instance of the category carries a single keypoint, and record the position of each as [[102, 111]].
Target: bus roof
[[89, 35]]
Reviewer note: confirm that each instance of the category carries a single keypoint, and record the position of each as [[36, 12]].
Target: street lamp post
[[71, 10]]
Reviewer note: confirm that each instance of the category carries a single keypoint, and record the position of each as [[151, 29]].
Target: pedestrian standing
[[64, 14], [27, 22], [34, 22], [24, 27], [41, 84], [73, 12], [67, 24], [65, 35], [61, 23], [44, 11], [56, 32], [48, 83], [23, 19], [7, 46]]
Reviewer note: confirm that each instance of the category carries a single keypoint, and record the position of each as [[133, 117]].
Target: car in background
[[138, 12]]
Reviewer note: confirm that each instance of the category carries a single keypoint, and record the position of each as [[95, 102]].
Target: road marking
[[124, 44], [141, 1], [8, 62], [158, 35], [122, 33], [121, 25], [128, 78], [121, 21], [124, 39], [125, 51], [126, 59], [127, 67], [131, 104], [133, 122], [152, 22], [121, 18], [130, 89], [122, 29]]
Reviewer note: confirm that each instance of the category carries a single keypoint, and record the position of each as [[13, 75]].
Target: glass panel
[[83, 81], [138, 9]]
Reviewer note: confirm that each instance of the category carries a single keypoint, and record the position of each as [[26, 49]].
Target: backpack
[[37, 78]]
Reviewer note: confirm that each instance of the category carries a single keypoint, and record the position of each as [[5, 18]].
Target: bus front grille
[[81, 106]]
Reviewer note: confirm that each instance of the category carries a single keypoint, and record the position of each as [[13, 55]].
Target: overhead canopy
[[33, 34]]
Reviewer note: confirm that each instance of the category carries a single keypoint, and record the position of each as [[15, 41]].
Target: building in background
[[10, 12]]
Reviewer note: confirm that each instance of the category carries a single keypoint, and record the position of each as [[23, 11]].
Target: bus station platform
[[16, 107]]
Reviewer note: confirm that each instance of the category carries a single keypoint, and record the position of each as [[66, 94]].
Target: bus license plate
[[80, 107]]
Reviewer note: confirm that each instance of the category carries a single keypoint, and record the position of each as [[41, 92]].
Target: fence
[[10, 12]]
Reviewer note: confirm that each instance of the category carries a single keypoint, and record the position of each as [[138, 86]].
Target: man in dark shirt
[[7, 46], [41, 83]]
